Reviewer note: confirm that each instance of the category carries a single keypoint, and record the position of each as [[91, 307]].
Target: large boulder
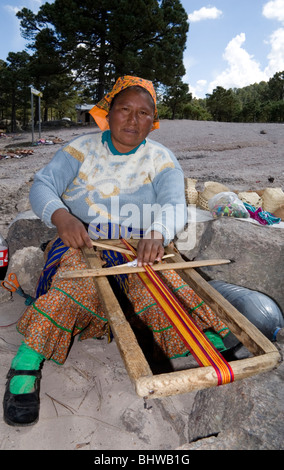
[[27, 263], [26, 236], [257, 253], [244, 415], [28, 230]]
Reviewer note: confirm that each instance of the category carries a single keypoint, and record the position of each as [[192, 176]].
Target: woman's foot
[[21, 399], [22, 409]]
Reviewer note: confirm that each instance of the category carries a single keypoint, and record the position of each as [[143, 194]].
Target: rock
[[135, 422], [280, 336], [229, 440], [257, 253], [27, 264], [25, 236], [243, 415], [28, 230]]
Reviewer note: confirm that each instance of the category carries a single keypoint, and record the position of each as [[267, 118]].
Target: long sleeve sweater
[[88, 177]]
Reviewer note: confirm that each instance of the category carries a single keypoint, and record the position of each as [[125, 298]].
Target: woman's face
[[130, 119]]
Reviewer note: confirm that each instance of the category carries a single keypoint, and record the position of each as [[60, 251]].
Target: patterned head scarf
[[101, 110]]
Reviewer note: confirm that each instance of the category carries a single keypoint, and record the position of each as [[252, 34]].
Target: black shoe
[[21, 409]]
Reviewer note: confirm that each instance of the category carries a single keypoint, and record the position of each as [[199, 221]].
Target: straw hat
[[191, 193], [272, 199], [211, 188], [250, 197]]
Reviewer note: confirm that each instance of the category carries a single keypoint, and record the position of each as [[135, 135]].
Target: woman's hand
[[70, 229], [150, 248]]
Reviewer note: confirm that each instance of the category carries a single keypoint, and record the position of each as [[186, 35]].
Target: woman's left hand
[[150, 248]]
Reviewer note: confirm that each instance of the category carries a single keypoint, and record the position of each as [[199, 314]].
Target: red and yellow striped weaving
[[196, 341]]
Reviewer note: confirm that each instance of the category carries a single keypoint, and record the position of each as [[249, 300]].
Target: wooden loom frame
[[147, 385]]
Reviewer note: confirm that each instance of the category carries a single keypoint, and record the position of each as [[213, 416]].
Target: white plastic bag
[[227, 205]]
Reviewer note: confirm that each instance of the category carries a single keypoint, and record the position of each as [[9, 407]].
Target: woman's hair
[[137, 88]]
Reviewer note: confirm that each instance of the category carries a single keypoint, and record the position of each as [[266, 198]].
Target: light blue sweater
[[143, 189]]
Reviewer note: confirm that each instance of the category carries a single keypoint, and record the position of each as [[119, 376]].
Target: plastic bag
[[258, 308], [227, 205]]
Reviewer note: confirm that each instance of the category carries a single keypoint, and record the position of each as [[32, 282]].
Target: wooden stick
[[170, 255], [115, 270], [184, 381], [111, 247]]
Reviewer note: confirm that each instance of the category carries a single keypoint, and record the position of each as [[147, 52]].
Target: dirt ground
[[89, 402], [241, 156]]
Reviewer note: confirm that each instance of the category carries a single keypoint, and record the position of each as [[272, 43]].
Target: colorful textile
[[113, 231], [148, 316], [53, 259], [196, 341], [101, 110], [263, 217], [69, 308], [113, 258]]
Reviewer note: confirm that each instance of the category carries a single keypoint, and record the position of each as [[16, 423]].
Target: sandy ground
[[89, 403]]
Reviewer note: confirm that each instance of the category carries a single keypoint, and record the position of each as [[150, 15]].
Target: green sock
[[216, 340], [25, 359]]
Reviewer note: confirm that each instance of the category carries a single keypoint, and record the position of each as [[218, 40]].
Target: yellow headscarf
[[101, 110]]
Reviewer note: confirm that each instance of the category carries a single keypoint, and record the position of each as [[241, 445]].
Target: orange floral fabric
[[70, 307]]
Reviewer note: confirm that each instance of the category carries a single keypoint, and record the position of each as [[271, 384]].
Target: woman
[[98, 184]]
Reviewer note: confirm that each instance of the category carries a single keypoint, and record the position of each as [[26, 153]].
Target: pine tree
[[97, 41]]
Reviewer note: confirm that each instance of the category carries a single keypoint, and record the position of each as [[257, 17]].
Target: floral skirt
[[72, 307]]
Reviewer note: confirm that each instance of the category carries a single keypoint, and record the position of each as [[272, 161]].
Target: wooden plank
[[115, 270], [108, 246], [185, 381]]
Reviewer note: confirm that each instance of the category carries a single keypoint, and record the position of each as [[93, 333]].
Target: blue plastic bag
[[258, 308]]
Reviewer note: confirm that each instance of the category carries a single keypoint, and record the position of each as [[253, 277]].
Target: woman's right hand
[[70, 229], [150, 249]]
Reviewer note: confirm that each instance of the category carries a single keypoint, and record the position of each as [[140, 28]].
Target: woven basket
[[211, 188], [272, 199], [280, 212], [250, 197], [191, 193]]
